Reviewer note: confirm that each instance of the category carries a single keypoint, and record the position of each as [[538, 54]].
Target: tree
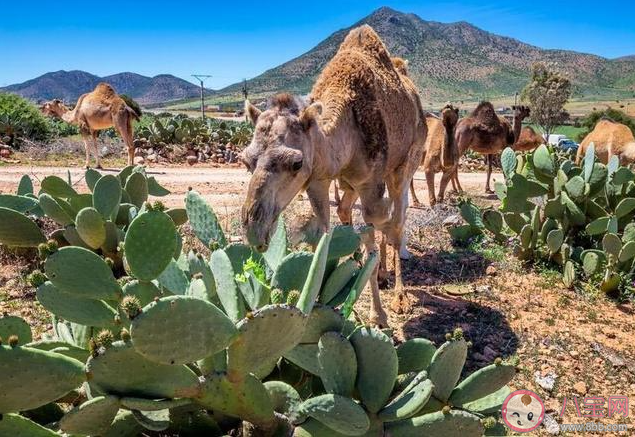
[[615, 115], [547, 92]]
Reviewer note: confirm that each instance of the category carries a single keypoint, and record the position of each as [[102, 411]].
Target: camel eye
[[296, 165]]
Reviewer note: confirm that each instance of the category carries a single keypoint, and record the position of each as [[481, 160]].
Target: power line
[[201, 78]]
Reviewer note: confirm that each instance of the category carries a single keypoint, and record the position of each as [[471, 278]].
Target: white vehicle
[[554, 139]]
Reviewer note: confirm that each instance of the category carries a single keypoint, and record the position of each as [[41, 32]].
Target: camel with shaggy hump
[[100, 109], [364, 126], [609, 138]]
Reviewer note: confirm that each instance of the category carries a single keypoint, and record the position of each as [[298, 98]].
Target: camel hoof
[[378, 320], [99, 166], [417, 205], [401, 304]]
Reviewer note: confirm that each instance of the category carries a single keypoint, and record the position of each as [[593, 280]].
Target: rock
[[191, 159], [546, 382], [5, 152], [221, 160], [452, 220], [550, 424], [152, 157], [491, 270], [138, 160], [580, 387], [483, 289], [490, 353]]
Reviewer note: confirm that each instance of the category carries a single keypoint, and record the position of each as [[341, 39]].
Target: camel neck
[[517, 126]]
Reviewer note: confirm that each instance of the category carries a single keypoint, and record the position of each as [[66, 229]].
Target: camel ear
[[309, 115], [252, 112]]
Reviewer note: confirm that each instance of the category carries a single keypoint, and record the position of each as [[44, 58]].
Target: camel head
[[54, 108], [521, 112], [449, 116], [280, 158]]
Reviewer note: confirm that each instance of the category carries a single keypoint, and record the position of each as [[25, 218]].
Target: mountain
[[454, 61], [69, 85]]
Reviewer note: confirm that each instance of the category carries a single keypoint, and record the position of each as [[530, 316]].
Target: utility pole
[[516, 98], [201, 78], [245, 89]]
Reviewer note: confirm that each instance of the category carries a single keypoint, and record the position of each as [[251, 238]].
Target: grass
[[490, 250]]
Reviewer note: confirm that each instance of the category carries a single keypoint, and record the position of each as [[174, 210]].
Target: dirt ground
[[579, 338]]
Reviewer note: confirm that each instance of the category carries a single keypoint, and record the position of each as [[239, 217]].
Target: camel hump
[[105, 90], [365, 39]]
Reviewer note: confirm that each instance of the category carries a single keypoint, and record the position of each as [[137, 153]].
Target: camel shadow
[[487, 328], [440, 267]]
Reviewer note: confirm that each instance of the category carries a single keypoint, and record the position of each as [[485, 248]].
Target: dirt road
[[222, 187]]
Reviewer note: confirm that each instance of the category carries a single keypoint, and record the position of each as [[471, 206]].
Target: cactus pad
[[57, 187], [453, 424], [150, 244], [121, 371], [408, 403], [181, 329], [339, 413], [178, 216], [92, 417], [226, 288], [374, 383], [15, 425], [89, 312], [82, 272], [91, 227], [305, 357], [360, 282], [203, 220], [107, 196], [53, 209], [18, 230], [338, 279], [490, 404], [153, 405], [174, 279], [415, 355], [268, 332], [446, 366], [285, 398], [344, 241], [14, 325], [158, 420], [53, 374], [482, 383], [338, 364], [137, 188], [292, 271], [21, 204], [322, 319], [277, 249]]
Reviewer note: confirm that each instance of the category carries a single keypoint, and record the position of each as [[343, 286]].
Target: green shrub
[[616, 115], [20, 119]]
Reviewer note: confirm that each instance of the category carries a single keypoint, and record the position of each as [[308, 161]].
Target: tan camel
[[609, 138], [94, 111], [440, 151], [487, 133], [365, 126], [528, 140]]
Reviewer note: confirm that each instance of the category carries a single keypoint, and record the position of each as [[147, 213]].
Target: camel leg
[[318, 192], [345, 206], [382, 273], [86, 139], [490, 160], [123, 125], [445, 178], [94, 135], [415, 200], [336, 193], [395, 230], [456, 180], [430, 182]]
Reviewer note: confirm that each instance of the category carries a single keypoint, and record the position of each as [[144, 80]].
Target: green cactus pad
[[153, 420], [245, 398], [18, 230], [21, 204], [338, 364], [285, 398], [121, 371], [174, 279], [322, 319], [198, 264], [14, 425], [493, 221], [144, 404], [337, 280], [471, 214], [22, 368], [61, 347], [625, 207], [408, 403], [203, 220], [57, 187], [91, 227], [515, 221], [292, 271], [137, 188], [14, 325], [150, 244], [155, 189], [92, 417], [90, 312], [72, 236], [181, 329], [490, 404], [226, 288], [576, 215], [80, 202], [568, 277], [555, 238], [313, 283], [481, 383], [612, 244], [543, 163], [107, 196], [339, 413], [508, 162], [575, 188], [314, 428], [374, 383], [81, 272], [146, 292], [268, 332], [361, 279], [344, 241], [178, 216], [305, 357], [446, 366], [415, 355], [277, 249], [628, 252], [454, 424], [92, 176], [598, 226], [25, 186]]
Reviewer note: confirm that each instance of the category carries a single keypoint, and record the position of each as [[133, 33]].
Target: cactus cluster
[[579, 217], [194, 344]]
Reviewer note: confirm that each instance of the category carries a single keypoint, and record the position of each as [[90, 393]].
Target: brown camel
[[440, 151], [609, 138], [487, 133], [528, 140], [365, 126], [94, 111]]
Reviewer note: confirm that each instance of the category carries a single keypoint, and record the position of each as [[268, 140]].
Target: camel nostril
[[261, 247]]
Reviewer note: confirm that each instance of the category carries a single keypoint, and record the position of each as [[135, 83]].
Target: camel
[[100, 109], [487, 133], [609, 138], [365, 126], [528, 140], [440, 151]]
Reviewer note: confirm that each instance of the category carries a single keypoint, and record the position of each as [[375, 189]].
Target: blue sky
[[236, 39]]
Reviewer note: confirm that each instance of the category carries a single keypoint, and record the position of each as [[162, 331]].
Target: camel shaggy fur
[[94, 111], [440, 152], [609, 138], [364, 125]]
